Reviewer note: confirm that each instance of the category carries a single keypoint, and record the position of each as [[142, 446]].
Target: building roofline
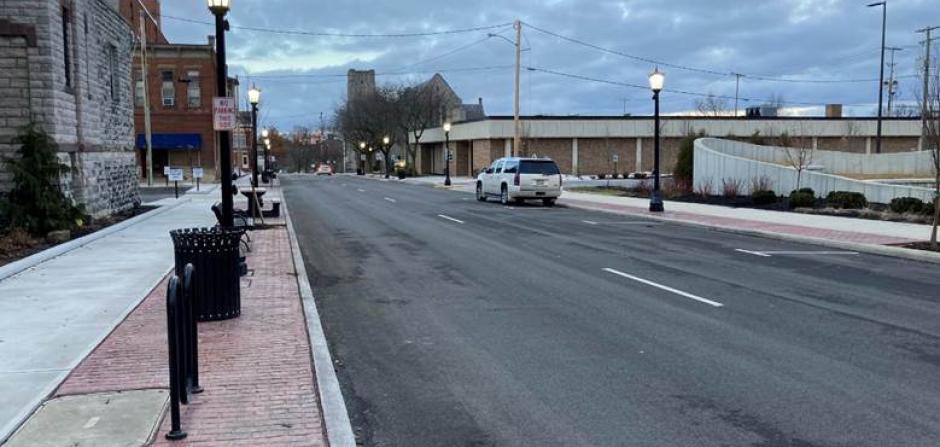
[[684, 118]]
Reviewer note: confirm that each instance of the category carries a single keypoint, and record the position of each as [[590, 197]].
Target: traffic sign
[[176, 175], [223, 113], [198, 173]]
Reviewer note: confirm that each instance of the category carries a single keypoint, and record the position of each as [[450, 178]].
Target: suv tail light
[[515, 180]]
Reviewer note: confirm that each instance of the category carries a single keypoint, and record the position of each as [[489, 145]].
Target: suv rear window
[[546, 167]]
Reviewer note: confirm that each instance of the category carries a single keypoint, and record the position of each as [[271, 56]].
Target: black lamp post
[[657, 79], [881, 79], [219, 8], [254, 97], [447, 154], [267, 148], [362, 159], [385, 142]]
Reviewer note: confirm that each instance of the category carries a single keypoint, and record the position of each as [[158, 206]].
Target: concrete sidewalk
[[55, 313]]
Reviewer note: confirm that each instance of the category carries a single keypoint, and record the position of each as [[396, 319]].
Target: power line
[[698, 69], [353, 35], [388, 73], [681, 92]]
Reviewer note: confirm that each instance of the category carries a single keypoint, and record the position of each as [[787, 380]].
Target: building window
[[66, 47], [240, 139], [168, 89], [113, 70], [139, 93], [193, 90]]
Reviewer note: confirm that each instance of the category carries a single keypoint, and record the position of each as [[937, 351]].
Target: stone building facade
[[65, 65]]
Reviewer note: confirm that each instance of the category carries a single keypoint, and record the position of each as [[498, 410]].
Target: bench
[[275, 210]]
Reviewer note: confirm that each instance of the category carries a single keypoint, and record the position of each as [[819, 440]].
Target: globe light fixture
[[657, 79], [219, 6], [265, 133], [447, 126]]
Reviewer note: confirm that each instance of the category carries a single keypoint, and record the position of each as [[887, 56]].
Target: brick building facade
[[65, 65]]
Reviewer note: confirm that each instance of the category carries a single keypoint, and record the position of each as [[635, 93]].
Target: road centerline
[[664, 287], [389, 199]]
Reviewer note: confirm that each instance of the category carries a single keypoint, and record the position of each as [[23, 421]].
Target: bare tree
[[776, 101], [419, 107], [712, 105], [931, 111], [799, 154]]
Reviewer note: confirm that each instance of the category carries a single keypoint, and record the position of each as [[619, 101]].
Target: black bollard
[[192, 331], [172, 332]]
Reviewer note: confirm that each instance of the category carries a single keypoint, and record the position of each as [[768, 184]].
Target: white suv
[[517, 179]]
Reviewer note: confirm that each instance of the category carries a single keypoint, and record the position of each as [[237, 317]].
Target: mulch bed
[[16, 245], [926, 246]]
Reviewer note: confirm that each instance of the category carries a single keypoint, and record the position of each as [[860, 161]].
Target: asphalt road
[[460, 323]]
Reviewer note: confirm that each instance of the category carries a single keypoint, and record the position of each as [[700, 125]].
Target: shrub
[[730, 187], [903, 205], [802, 199], [763, 197], [705, 188], [601, 176], [762, 183], [846, 200], [807, 191], [757, 139], [639, 175], [685, 168], [928, 209], [643, 189], [35, 203]]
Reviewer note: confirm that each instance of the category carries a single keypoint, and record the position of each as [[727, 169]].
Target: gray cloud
[[799, 39]]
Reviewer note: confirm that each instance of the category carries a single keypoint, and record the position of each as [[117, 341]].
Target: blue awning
[[171, 141]]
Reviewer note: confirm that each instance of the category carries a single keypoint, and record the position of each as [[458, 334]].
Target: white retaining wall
[[724, 160]]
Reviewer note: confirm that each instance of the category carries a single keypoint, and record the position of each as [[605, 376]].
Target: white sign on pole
[[166, 170], [176, 175], [616, 158], [198, 173], [223, 113]]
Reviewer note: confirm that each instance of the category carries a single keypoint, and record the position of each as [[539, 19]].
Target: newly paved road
[[461, 323]]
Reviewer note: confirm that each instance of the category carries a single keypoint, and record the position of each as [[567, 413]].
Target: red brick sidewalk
[[744, 224], [256, 369]]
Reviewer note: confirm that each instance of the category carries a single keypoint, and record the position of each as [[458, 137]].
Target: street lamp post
[[267, 148], [447, 154], [361, 170], [881, 79], [657, 79], [219, 8], [385, 141], [254, 97]]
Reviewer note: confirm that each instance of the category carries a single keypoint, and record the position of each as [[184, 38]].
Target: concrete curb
[[883, 250], [339, 430], [16, 267]]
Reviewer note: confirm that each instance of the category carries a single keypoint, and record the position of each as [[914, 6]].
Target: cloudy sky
[[773, 43]]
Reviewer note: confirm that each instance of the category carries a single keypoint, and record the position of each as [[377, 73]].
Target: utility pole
[[146, 105], [517, 134], [892, 84], [881, 78], [926, 94], [737, 85]]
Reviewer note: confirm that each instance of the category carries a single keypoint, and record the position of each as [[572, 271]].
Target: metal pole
[[172, 328], [881, 82], [517, 134], [737, 85], [923, 111], [225, 155], [656, 201], [254, 145], [891, 82], [143, 78], [447, 159]]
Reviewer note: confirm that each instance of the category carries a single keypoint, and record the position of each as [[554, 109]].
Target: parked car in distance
[[516, 179], [324, 169]]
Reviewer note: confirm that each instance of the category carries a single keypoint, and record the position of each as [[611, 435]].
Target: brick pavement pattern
[[744, 224], [256, 369]]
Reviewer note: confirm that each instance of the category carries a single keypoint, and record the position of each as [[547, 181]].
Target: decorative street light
[[267, 148], [361, 170], [385, 141], [254, 97], [881, 79], [447, 153], [219, 8], [657, 79]]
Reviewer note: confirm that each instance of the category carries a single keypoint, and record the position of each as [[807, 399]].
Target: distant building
[[181, 82], [66, 66], [359, 84]]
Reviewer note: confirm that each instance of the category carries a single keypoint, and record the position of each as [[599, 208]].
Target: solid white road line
[[390, 199], [589, 222], [450, 218], [755, 253], [663, 287], [768, 254], [361, 190]]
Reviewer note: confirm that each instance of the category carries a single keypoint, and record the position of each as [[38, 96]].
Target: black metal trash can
[[214, 252]]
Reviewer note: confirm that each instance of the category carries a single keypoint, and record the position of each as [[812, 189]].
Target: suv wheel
[[480, 196], [504, 195], [548, 202]]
